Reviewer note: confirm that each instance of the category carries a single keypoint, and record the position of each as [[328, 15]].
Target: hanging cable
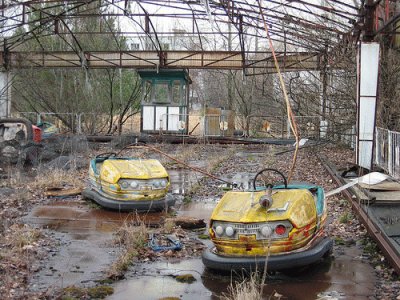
[[138, 145], [290, 115]]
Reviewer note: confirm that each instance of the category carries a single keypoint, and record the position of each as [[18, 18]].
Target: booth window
[[176, 91], [161, 94], [184, 91], [147, 89]]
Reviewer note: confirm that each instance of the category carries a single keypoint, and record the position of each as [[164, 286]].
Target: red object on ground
[[37, 134]]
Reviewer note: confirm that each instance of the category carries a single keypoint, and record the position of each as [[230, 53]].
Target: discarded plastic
[[370, 179], [164, 243]]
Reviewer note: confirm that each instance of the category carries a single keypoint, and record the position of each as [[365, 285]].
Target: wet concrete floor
[[85, 233], [346, 277]]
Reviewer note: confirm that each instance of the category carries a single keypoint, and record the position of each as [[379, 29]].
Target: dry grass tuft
[[57, 178], [132, 236], [248, 289], [121, 265], [132, 239], [22, 236], [169, 226]]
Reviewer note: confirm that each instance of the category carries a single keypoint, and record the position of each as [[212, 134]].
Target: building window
[[135, 46]]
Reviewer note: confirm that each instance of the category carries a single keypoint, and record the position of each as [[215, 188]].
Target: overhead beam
[[232, 60]]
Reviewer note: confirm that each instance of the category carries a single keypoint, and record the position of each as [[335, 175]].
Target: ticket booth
[[165, 100]]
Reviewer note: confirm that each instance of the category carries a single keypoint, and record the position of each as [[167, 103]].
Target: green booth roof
[[165, 74]]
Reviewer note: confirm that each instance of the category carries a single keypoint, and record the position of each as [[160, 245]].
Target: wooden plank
[[383, 186], [386, 197]]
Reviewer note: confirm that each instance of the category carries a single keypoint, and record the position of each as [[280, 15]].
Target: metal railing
[[387, 151], [206, 125], [198, 125], [58, 120], [80, 123]]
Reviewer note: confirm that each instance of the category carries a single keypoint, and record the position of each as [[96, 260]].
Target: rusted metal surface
[[289, 61], [185, 139], [390, 253]]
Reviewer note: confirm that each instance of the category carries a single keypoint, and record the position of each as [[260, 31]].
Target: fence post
[[78, 123], [390, 157], [394, 153], [377, 147]]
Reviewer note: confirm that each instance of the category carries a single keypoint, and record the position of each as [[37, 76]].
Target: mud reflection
[[346, 277], [182, 180], [85, 236], [201, 209], [69, 215]]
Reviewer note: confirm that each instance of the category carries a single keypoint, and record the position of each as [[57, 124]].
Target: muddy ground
[[69, 248]]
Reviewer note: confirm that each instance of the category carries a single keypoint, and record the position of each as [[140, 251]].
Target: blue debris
[[164, 243]]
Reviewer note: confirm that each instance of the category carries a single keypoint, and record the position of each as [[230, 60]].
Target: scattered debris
[[189, 223], [331, 295], [159, 242], [15, 134], [62, 192]]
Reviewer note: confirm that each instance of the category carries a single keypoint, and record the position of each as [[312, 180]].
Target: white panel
[[365, 154], [367, 118], [161, 117], [148, 118], [4, 95], [367, 83], [173, 118], [323, 128], [369, 69]]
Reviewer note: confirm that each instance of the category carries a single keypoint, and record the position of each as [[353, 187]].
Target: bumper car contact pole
[[290, 115]]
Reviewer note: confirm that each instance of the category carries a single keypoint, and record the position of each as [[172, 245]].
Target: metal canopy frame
[[210, 27], [301, 30]]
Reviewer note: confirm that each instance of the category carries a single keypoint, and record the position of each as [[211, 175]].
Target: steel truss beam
[[168, 59]]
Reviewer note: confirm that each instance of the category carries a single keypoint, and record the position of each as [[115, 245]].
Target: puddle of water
[[201, 209], [85, 233], [72, 215], [346, 276], [82, 256], [154, 282], [85, 237], [182, 180]]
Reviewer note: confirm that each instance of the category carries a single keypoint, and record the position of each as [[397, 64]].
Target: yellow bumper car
[[128, 184], [279, 226]]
